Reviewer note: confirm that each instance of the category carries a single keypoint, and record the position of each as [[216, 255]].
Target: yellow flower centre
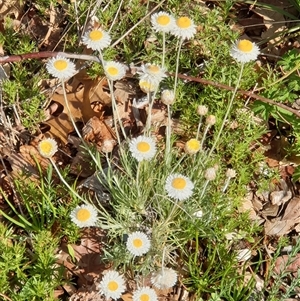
[[83, 214], [193, 144], [112, 285], [112, 70], [163, 20], [60, 65], [46, 147], [245, 46], [143, 147], [179, 183], [153, 68], [137, 242], [184, 22], [96, 35], [144, 297]]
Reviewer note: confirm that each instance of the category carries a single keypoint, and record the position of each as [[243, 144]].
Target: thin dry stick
[[243, 92], [47, 54], [137, 24]]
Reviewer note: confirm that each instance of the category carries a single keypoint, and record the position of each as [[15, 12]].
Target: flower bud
[[167, 97], [211, 120], [210, 174], [202, 110]]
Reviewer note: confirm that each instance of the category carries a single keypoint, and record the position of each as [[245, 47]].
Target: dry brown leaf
[[247, 206], [80, 109], [97, 131], [278, 227], [11, 7], [285, 264], [292, 211], [80, 164]]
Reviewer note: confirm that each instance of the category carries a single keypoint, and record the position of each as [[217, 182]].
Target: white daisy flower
[[138, 243], [114, 70], [244, 51], [61, 67], [152, 72], [84, 216], [179, 187], [96, 39], [142, 148], [185, 28], [192, 146], [167, 97], [112, 285], [144, 294], [164, 278], [47, 147], [162, 22], [148, 86]]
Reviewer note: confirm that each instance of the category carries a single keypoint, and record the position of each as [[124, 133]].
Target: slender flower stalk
[[177, 65], [210, 121], [209, 175], [168, 134], [66, 183], [202, 111], [230, 173], [164, 49], [226, 114], [116, 114]]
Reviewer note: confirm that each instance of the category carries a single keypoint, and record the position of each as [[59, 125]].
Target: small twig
[[247, 93], [47, 54], [137, 24]]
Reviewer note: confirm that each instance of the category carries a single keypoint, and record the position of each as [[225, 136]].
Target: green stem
[[148, 122], [281, 78], [199, 127], [164, 49], [177, 65], [204, 136], [116, 114], [65, 182], [203, 189], [226, 115], [168, 134]]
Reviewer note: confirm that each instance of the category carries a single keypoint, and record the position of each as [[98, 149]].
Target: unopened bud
[[211, 120], [202, 110], [210, 174], [167, 97]]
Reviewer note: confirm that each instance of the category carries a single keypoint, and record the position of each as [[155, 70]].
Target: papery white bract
[[138, 243], [244, 51], [167, 97], [164, 278], [142, 148], [144, 294], [84, 216], [152, 72], [61, 67], [179, 187], [185, 28], [114, 70], [96, 39], [112, 285], [47, 147], [162, 22]]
